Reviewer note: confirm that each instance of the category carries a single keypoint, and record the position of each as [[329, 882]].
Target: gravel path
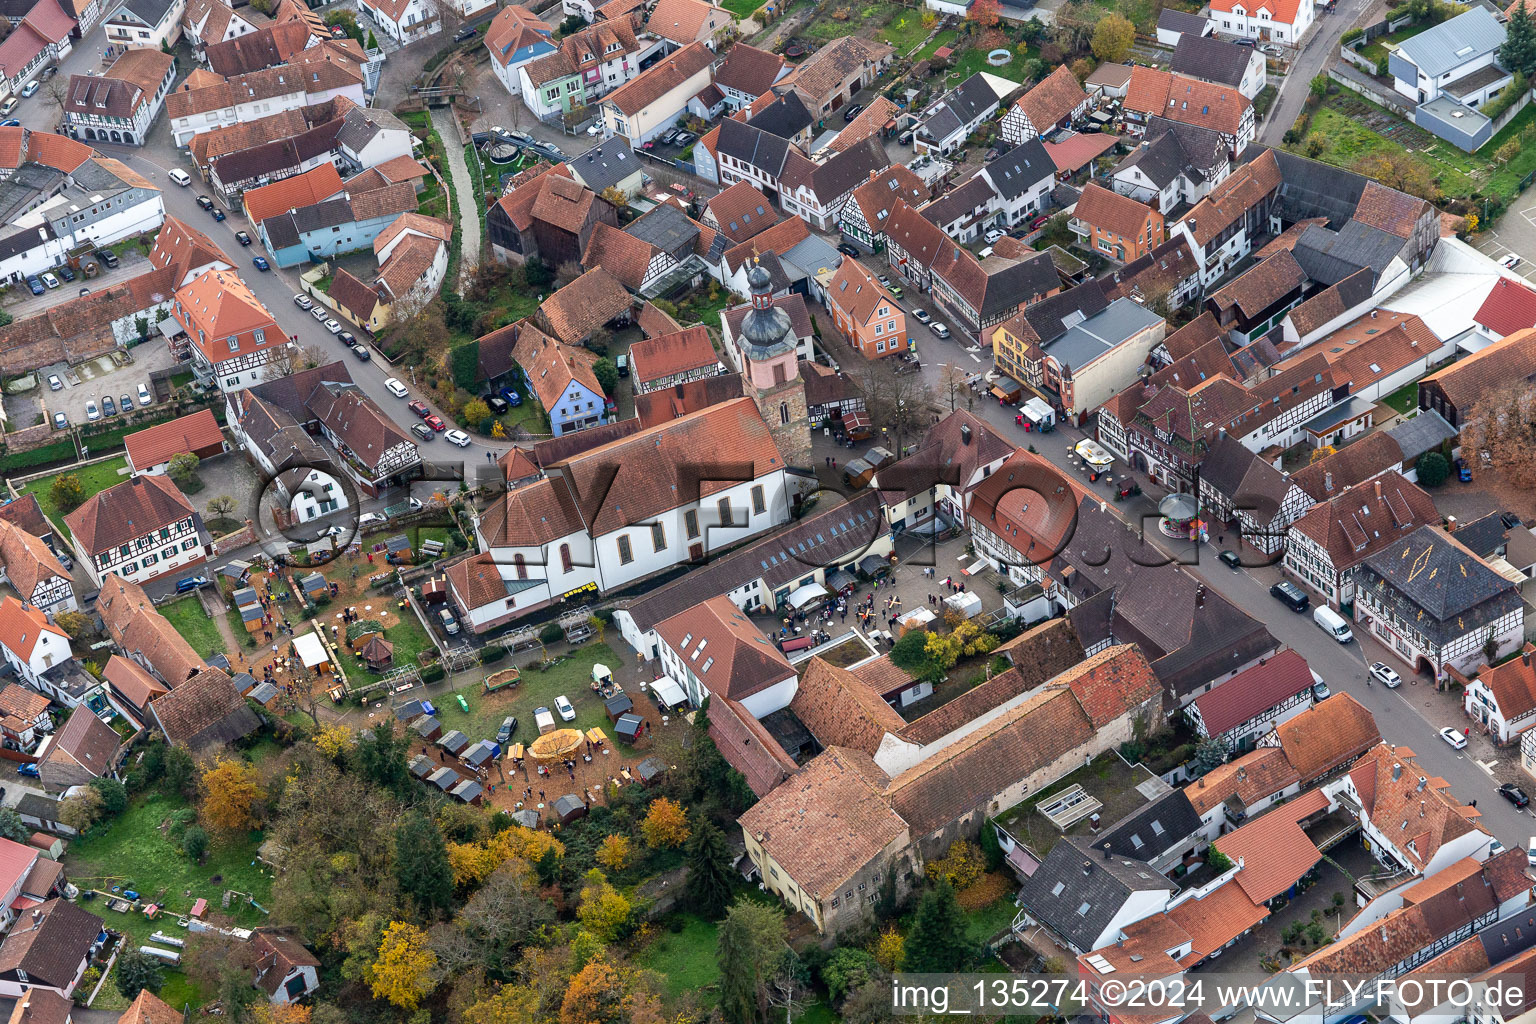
[[469, 212]]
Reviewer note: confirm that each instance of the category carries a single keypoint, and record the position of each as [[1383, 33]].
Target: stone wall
[[233, 541], [28, 438]]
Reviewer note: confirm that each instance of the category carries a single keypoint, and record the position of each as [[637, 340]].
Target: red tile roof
[[741, 211], [671, 354], [1186, 100], [1273, 849], [156, 444], [1217, 919], [1513, 684], [1509, 307], [134, 508], [1252, 692], [1328, 736], [1111, 211], [293, 193], [662, 78], [724, 649], [1057, 95], [21, 624], [1255, 776]]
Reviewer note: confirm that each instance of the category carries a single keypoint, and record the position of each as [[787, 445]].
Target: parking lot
[[97, 378], [18, 301]]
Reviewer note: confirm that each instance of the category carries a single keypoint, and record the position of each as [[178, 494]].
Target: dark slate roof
[[755, 146], [1178, 21], [36, 805], [1312, 189], [1330, 256], [1077, 891], [958, 107], [1202, 147], [1161, 160], [833, 535], [1046, 317], [1152, 829], [1425, 431], [849, 169], [1429, 571], [606, 164], [785, 117], [1020, 169], [1006, 287], [281, 231], [666, 227], [1483, 537], [1211, 59]]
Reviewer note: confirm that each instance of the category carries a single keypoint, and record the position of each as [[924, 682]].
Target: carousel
[[1180, 518]]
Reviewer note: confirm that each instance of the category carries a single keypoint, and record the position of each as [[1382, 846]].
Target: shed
[[244, 682], [218, 661], [468, 791], [422, 766], [398, 548], [315, 586], [199, 907], [480, 754], [570, 807], [378, 654], [409, 711], [427, 727], [873, 565], [264, 694], [526, 818], [434, 591], [251, 618], [619, 706], [444, 779], [650, 771], [629, 728], [454, 742], [245, 597]]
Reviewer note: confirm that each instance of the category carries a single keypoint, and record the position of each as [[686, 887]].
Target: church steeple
[[771, 369]]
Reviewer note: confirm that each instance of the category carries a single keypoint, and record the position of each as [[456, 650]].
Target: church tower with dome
[[771, 371]]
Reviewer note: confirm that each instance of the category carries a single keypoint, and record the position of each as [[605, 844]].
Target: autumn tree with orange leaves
[[601, 993]]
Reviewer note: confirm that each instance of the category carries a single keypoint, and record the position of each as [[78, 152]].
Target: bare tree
[[785, 988], [282, 361], [953, 386], [1499, 434], [901, 402]]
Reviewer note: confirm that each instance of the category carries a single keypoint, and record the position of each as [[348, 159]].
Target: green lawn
[[741, 8], [572, 678], [191, 621], [982, 924], [1405, 399], [409, 637], [700, 308], [975, 59], [905, 30], [95, 478], [686, 959], [1347, 141], [945, 38], [1376, 50], [133, 852]]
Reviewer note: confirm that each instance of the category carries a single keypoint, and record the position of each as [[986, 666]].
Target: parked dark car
[[422, 431], [108, 257], [242, 238], [852, 112], [35, 284], [507, 731], [847, 249], [205, 202], [1290, 595], [260, 263], [66, 273], [1230, 559], [467, 32], [1514, 794], [420, 409], [496, 404], [218, 214]]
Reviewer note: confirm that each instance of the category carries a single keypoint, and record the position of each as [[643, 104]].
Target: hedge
[[491, 654], [1351, 36], [465, 363], [59, 451], [432, 673]]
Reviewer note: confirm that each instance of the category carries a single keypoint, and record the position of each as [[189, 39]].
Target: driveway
[[469, 209], [1319, 50], [19, 301], [102, 376]]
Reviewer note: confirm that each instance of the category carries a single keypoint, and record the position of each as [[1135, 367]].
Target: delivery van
[[1332, 623]]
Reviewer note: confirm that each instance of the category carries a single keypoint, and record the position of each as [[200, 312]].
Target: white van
[[1530, 853], [179, 176], [1332, 623]]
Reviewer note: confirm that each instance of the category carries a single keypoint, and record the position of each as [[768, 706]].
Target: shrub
[[551, 633], [432, 673], [491, 654], [1351, 36], [465, 363], [1433, 469]]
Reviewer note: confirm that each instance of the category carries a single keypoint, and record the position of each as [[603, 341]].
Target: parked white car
[[394, 387], [1453, 737], [457, 437], [563, 706], [144, 396], [1384, 675]]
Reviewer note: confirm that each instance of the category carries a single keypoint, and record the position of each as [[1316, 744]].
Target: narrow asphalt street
[[1321, 46], [1411, 715]]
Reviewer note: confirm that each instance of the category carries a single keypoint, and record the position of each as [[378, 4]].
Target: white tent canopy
[[601, 672], [806, 594], [669, 691], [310, 650]]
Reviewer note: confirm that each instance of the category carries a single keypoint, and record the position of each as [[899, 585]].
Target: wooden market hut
[[570, 807], [378, 654]]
